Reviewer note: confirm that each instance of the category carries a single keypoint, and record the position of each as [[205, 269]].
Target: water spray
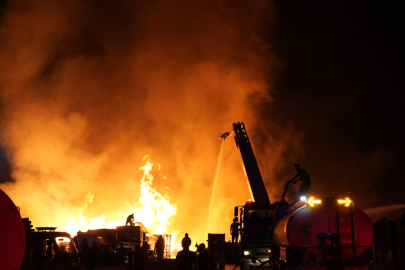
[[214, 188], [222, 137]]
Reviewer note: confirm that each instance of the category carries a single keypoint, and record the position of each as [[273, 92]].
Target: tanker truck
[[314, 233]]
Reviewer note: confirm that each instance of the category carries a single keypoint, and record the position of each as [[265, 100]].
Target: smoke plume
[[88, 88]]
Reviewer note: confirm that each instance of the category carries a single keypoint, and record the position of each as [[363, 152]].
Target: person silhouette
[[203, 257], [186, 240], [160, 247], [130, 220], [235, 230], [303, 176], [185, 259]]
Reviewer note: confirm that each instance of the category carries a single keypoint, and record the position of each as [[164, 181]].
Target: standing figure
[[186, 240], [160, 247], [235, 230], [185, 259], [203, 257], [130, 220], [303, 176]]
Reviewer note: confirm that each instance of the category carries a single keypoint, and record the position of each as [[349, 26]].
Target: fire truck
[[49, 247], [131, 237], [314, 233]]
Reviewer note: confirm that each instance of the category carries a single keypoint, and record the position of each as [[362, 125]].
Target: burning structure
[[92, 88]]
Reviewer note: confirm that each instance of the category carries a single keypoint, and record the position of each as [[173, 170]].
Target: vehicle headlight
[[247, 252]]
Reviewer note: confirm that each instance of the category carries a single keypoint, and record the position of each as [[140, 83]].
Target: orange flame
[[153, 209]]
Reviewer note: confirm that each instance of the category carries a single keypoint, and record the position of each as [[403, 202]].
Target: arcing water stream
[[214, 188]]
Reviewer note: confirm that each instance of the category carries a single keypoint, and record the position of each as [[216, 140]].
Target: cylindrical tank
[[12, 235], [314, 226]]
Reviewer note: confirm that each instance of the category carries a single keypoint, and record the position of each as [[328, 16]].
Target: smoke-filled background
[[88, 88]]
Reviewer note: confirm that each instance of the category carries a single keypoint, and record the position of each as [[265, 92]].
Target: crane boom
[[255, 180]]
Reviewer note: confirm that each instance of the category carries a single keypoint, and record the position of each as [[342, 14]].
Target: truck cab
[[257, 225], [57, 248]]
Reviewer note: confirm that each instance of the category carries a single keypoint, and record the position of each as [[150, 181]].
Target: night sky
[[342, 87], [339, 88]]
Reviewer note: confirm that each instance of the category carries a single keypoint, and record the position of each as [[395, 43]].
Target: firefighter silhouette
[[130, 220], [235, 230], [160, 247], [185, 259], [203, 257], [186, 240], [303, 176]]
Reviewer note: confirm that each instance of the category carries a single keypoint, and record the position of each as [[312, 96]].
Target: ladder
[[346, 227]]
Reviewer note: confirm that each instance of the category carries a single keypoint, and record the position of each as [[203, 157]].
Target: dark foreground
[[166, 264]]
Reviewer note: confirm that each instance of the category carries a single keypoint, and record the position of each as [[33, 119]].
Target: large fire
[[153, 209], [84, 91]]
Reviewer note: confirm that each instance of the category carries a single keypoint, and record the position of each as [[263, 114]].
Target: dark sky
[[340, 86], [4, 165]]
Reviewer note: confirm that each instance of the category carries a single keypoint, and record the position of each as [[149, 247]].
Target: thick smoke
[[89, 88]]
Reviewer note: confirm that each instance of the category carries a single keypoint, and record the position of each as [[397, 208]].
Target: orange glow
[[153, 210], [86, 93]]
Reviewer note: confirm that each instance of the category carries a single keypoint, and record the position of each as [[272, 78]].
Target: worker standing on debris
[[235, 230], [130, 220], [303, 176]]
